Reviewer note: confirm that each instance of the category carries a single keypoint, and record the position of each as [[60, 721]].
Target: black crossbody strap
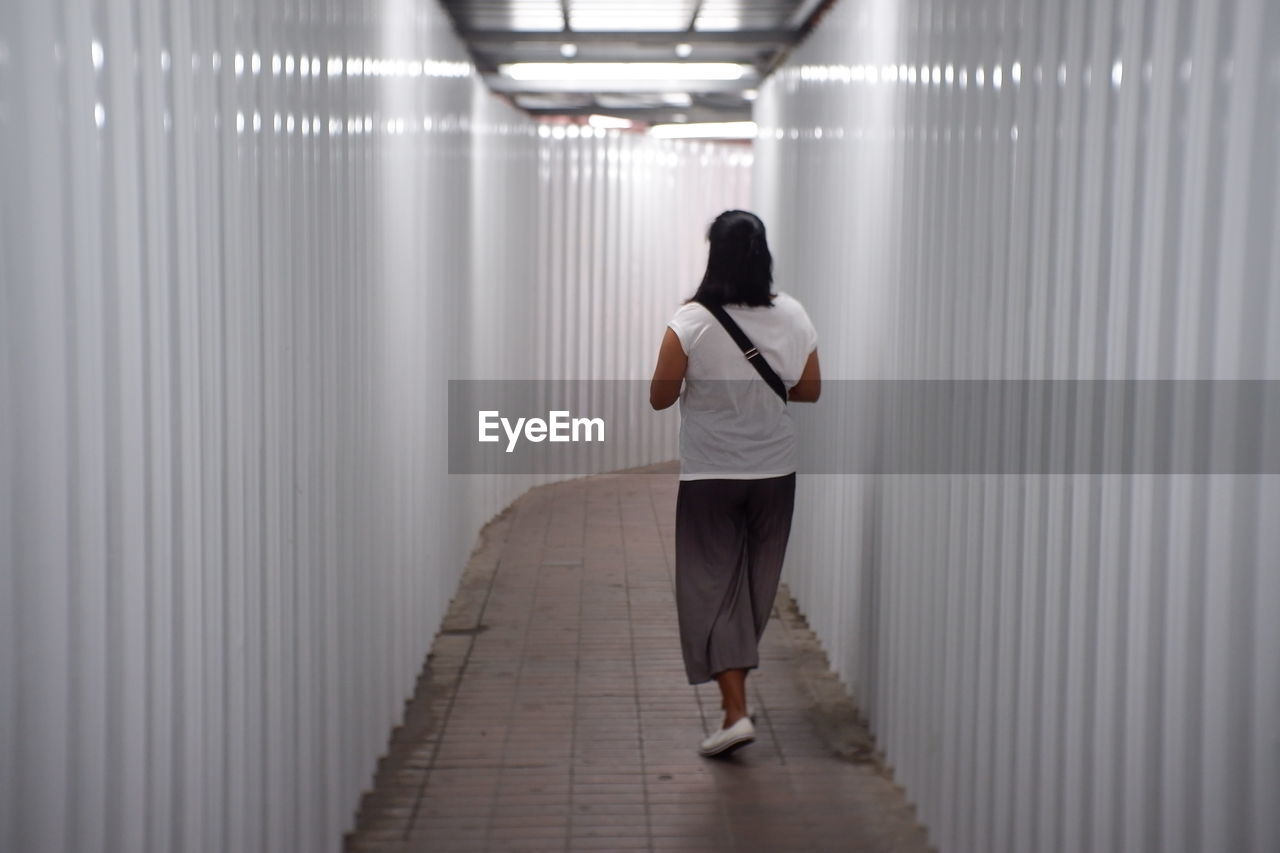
[[748, 349]]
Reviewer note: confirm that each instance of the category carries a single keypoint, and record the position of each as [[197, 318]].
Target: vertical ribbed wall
[[244, 246], [1045, 190], [584, 244]]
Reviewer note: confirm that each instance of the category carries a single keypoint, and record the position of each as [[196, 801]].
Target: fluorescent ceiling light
[[683, 49], [678, 99], [706, 130], [618, 20], [568, 50], [624, 71], [609, 122]]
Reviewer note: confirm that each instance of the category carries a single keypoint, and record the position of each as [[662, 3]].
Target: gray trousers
[[731, 536]]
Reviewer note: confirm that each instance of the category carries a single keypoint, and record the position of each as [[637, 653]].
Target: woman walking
[[740, 351]]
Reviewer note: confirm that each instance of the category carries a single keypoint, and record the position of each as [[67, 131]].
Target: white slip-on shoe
[[727, 740]]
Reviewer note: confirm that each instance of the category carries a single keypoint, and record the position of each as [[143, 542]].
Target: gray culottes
[[731, 536]]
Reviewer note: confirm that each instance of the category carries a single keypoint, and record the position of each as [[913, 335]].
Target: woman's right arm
[[809, 388], [669, 373]]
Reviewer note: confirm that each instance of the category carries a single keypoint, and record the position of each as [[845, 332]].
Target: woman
[[737, 459]]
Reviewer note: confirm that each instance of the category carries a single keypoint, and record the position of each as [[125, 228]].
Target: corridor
[[299, 299], [554, 713]]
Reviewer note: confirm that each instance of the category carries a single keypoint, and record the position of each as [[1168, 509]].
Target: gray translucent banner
[[892, 427]]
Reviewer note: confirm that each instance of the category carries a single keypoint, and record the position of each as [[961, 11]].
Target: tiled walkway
[[554, 713]]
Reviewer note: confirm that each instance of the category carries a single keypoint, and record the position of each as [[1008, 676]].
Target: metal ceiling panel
[[507, 15], [734, 15], [614, 16], [752, 33]]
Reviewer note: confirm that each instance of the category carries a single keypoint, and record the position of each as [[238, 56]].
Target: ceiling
[[731, 45]]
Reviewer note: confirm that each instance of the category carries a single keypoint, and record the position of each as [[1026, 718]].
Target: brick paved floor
[[554, 713]]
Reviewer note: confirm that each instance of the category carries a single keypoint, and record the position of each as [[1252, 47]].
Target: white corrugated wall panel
[[1044, 190], [244, 246]]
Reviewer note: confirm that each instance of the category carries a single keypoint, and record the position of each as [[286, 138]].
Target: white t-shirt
[[732, 424]]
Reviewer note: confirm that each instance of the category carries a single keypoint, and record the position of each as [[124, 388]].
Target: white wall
[[227, 533], [583, 246], [1050, 662]]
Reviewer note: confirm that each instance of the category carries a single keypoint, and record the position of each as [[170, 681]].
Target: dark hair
[[739, 266]]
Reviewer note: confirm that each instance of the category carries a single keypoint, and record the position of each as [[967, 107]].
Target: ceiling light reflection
[[527, 71]]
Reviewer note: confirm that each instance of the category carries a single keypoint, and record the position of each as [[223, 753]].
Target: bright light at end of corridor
[[623, 71], [705, 130]]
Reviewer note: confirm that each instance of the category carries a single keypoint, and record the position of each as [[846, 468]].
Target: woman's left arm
[[669, 373], [809, 388]]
